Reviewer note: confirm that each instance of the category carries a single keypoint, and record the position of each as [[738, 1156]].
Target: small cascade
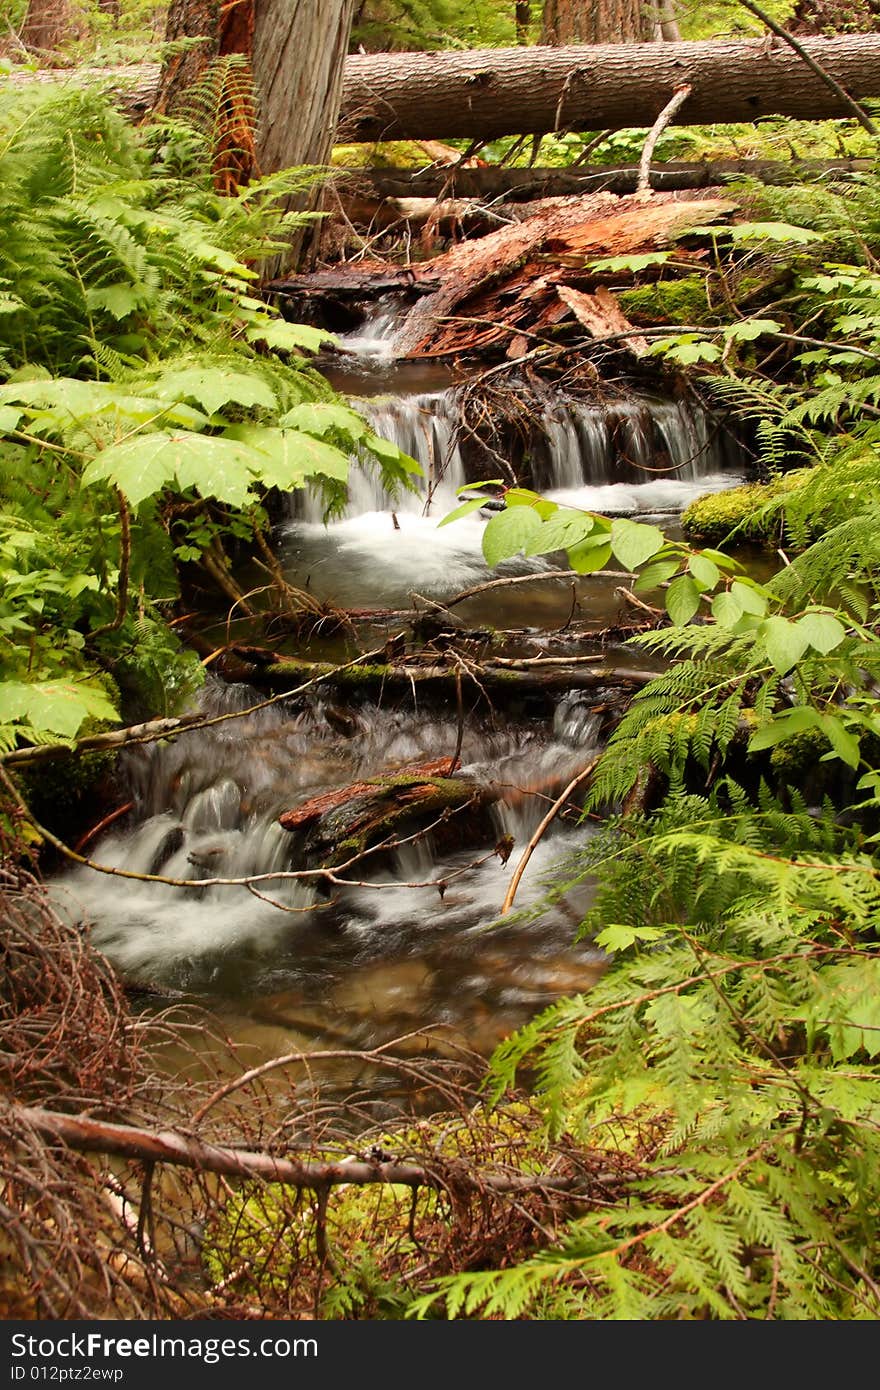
[[374, 339], [207, 809], [425, 427]]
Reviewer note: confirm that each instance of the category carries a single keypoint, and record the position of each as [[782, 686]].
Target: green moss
[[750, 511], [378, 1236], [392, 154], [669, 301]]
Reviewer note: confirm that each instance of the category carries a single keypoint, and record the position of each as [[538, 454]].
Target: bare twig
[[675, 103], [560, 801], [89, 1135]]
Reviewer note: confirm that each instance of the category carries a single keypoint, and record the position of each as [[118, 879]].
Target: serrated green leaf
[[285, 459], [525, 497], [705, 572], [507, 533], [634, 263], [633, 543], [771, 231], [142, 466], [822, 630], [783, 641], [748, 329], [682, 600], [118, 300], [56, 707], [289, 337], [619, 936], [213, 388], [321, 417]]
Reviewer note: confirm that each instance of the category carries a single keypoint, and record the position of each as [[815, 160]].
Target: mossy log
[[349, 820], [378, 678]]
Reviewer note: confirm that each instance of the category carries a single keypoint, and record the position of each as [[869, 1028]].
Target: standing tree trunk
[[299, 50], [284, 98], [598, 21], [47, 25]]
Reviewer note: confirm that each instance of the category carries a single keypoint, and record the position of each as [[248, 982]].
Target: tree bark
[[286, 109], [523, 185], [47, 25], [299, 58], [597, 21], [488, 93], [297, 50]]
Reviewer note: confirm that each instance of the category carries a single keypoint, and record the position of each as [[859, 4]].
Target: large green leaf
[[145, 464], [213, 388], [53, 707], [286, 458], [633, 543], [784, 642], [822, 631], [508, 533], [289, 337], [682, 599], [565, 528], [322, 417]]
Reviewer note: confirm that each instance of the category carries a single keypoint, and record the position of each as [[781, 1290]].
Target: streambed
[[408, 940]]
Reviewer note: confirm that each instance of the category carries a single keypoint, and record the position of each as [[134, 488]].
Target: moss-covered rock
[[751, 511], [669, 301]]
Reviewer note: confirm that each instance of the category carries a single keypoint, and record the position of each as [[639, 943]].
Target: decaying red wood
[[601, 315], [508, 277], [317, 806]]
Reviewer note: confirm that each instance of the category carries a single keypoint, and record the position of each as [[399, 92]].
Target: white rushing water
[[207, 805], [637, 456]]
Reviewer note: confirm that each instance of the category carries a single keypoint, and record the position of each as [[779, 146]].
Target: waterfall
[[425, 427], [207, 807]]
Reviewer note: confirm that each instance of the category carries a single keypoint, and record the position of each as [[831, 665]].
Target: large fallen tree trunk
[[486, 93]]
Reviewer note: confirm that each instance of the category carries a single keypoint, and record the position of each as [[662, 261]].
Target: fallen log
[[515, 259], [291, 673], [512, 185], [509, 280], [350, 820], [487, 93], [370, 188], [432, 796]]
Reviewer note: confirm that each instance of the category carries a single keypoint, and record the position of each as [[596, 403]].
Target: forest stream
[[408, 940]]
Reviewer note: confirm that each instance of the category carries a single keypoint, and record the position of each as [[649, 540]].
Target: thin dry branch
[[88, 1135], [560, 801], [675, 103]]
